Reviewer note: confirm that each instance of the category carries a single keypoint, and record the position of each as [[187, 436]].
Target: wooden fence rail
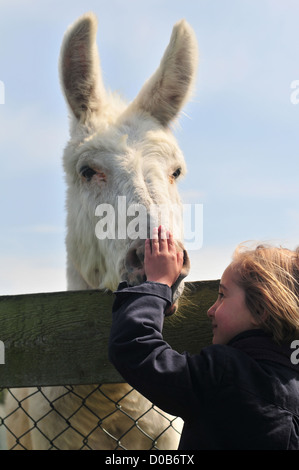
[[61, 338]]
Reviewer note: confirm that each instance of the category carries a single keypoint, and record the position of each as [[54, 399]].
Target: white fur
[[135, 150]]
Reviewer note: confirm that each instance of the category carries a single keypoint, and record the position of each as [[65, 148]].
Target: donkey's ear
[[166, 92], [80, 68]]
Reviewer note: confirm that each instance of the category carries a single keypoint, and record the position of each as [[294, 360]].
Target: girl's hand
[[162, 262]]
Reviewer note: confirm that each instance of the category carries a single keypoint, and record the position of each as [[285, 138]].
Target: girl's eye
[[220, 295], [87, 172]]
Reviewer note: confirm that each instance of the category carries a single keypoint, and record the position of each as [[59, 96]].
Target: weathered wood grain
[[61, 338]]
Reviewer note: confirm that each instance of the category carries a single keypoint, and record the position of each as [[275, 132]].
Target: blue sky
[[240, 134]]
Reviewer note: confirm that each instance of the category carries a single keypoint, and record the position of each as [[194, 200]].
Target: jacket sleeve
[[172, 381]]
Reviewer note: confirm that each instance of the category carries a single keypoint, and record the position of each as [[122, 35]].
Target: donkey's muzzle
[[134, 267]]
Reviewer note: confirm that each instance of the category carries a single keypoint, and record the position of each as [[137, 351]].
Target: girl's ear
[[259, 319]]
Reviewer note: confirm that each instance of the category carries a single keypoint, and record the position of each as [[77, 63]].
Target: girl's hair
[[270, 278]]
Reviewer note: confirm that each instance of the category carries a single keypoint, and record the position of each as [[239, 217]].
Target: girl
[[242, 392]]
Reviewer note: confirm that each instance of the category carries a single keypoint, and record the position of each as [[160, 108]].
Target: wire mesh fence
[[84, 418], [62, 338]]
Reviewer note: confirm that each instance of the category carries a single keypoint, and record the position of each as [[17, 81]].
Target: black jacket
[[244, 395]]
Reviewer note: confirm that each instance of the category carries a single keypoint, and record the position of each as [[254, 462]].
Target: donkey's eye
[[176, 173], [87, 172]]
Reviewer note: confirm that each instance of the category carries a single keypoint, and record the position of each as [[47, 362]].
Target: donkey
[[116, 150]]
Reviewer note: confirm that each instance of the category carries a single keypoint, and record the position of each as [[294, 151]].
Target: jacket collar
[[260, 346]]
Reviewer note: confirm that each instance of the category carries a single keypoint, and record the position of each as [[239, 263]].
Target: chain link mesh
[[84, 417]]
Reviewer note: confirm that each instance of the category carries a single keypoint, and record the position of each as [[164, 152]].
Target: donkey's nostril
[[135, 257], [133, 260], [134, 264]]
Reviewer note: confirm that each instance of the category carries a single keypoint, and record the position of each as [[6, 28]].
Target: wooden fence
[[61, 338]]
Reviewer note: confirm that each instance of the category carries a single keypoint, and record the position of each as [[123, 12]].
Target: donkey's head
[[121, 160]]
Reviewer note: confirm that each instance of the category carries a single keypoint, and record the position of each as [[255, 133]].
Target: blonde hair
[[270, 279]]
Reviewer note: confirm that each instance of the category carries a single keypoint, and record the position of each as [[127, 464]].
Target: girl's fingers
[[171, 243], [163, 239], [180, 259], [155, 240]]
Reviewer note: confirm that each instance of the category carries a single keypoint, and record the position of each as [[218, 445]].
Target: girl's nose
[[211, 311]]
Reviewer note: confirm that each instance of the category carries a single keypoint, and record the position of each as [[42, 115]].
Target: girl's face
[[229, 314]]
